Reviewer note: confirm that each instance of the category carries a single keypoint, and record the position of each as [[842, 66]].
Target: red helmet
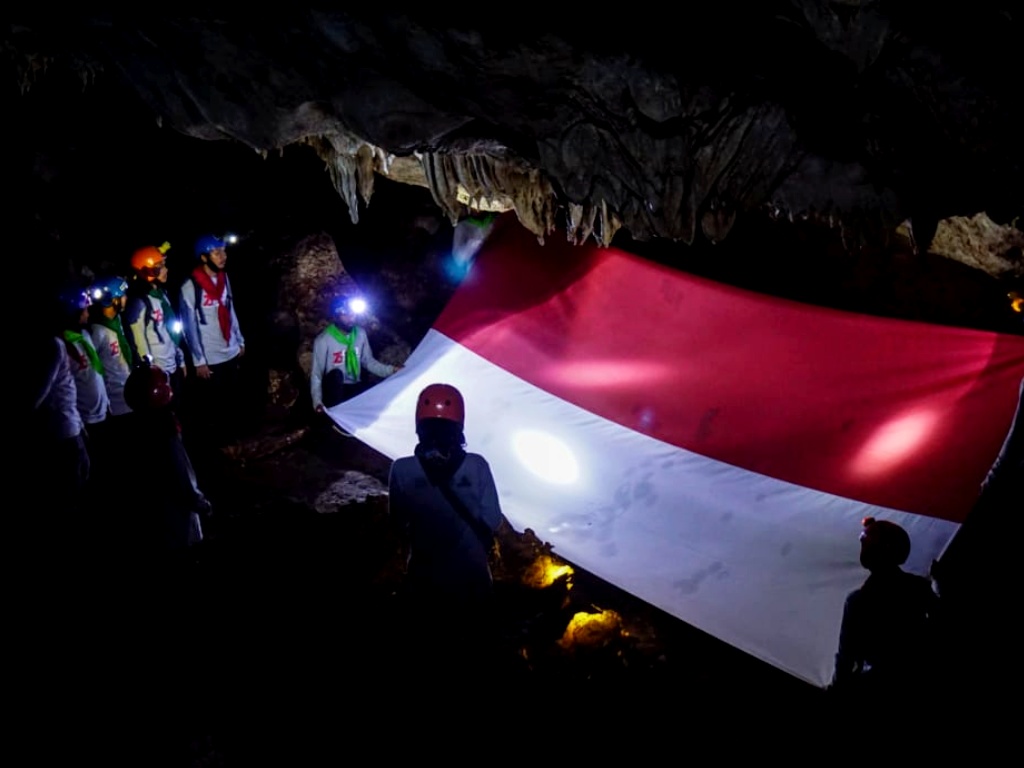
[[148, 262], [441, 401], [148, 388]]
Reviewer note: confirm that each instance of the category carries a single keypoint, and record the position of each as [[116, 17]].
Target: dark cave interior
[[93, 175]]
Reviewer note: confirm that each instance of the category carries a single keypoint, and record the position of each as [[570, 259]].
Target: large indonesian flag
[[708, 449]]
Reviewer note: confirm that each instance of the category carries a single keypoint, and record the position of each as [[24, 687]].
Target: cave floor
[[298, 611]]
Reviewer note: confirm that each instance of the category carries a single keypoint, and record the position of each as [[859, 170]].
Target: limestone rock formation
[[982, 243], [863, 113]]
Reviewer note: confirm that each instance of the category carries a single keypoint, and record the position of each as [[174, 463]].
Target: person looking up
[[885, 635]]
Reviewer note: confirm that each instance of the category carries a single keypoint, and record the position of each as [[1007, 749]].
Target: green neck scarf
[[160, 295], [349, 340], [90, 351], [114, 324]]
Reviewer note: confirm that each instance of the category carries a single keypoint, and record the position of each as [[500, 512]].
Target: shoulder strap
[[483, 533], [197, 300]]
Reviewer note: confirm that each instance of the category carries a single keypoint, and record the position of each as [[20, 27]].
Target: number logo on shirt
[[209, 301], [158, 316], [115, 348], [339, 358]]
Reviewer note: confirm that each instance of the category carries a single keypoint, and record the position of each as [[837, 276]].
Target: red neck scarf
[[216, 291]]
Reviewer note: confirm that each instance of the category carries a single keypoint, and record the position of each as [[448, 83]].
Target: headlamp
[[349, 305]]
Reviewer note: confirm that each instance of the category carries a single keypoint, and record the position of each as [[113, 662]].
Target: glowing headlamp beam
[[546, 456]]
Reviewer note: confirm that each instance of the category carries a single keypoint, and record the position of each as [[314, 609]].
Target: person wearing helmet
[[108, 337], [155, 329], [86, 366], [215, 342], [885, 636], [445, 504], [340, 353], [159, 470], [52, 459]]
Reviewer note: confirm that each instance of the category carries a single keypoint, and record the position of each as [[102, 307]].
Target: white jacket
[[93, 401], [115, 368], [329, 354], [198, 312], [145, 319]]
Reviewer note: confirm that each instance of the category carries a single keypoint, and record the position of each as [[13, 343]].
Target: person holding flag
[[340, 353]]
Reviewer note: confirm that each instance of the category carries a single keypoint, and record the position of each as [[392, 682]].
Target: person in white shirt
[[93, 402], [108, 337], [216, 346], [155, 329], [340, 353], [55, 445], [86, 366]]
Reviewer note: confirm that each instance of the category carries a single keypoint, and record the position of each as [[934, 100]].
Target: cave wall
[[862, 114], [98, 165]]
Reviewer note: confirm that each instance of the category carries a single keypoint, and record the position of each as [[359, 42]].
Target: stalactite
[[494, 183], [573, 216], [343, 175], [351, 163], [610, 224], [439, 183], [364, 172]]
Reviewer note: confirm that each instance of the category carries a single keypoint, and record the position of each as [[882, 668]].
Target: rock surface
[[863, 114]]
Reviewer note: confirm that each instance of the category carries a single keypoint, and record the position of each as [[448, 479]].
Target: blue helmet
[[73, 299], [351, 303], [207, 243], [104, 291]]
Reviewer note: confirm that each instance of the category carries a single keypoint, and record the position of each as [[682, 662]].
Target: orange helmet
[[441, 401], [147, 262]]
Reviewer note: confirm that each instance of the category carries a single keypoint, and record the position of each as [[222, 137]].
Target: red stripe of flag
[[901, 414]]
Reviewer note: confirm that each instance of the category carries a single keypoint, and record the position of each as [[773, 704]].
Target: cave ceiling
[[867, 117]]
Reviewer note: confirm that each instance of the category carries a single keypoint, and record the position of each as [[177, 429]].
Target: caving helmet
[[148, 388], [883, 544], [106, 290], [148, 261], [72, 299], [207, 243], [351, 303], [441, 401]]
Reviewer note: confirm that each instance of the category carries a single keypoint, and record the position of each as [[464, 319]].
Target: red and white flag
[[710, 450]]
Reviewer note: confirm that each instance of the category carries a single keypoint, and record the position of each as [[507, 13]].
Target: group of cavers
[[117, 371], [133, 394]]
